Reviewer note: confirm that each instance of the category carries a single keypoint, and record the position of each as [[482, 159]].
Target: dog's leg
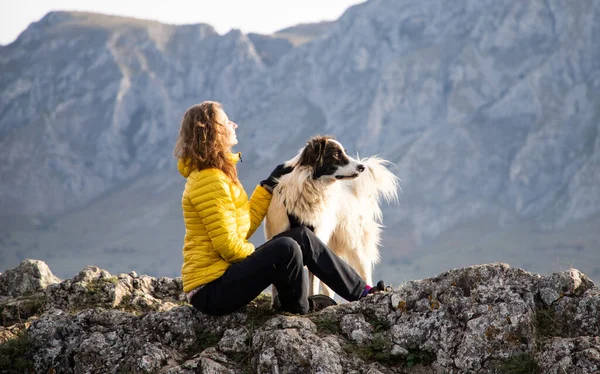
[[313, 284], [363, 267], [327, 291], [367, 276], [273, 295]]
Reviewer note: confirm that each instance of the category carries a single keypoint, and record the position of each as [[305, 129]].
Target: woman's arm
[[210, 194], [259, 203], [261, 197]]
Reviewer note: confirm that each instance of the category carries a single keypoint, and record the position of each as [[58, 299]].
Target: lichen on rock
[[487, 318]]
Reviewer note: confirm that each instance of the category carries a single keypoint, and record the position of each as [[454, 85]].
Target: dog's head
[[327, 158]]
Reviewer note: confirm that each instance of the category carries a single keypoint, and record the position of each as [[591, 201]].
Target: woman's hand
[[271, 182]]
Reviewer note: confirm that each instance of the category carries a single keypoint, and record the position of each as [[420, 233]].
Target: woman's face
[[230, 138]]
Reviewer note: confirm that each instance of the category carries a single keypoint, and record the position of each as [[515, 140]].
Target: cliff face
[[487, 319], [485, 106], [90, 100]]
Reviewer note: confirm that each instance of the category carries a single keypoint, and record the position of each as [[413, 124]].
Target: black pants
[[280, 262]]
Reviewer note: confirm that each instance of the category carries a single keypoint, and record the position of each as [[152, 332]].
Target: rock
[[291, 345], [566, 283], [97, 287], [31, 276], [356, 328], [21, 308], [579, 355], [577, 315], [22, 291], [235, 341], [485, 319]]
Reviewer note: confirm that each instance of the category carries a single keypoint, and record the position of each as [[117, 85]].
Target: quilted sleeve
[[211, 197], [259, 203]]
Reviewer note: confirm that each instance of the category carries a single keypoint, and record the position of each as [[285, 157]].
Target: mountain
[[488, 109], [304, 32], [270, 48], [90, 101]]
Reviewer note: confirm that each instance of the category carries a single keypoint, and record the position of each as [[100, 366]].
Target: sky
[[261, 16]]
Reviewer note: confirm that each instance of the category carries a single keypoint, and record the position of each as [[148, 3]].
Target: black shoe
[[319, 302], [378, 288]]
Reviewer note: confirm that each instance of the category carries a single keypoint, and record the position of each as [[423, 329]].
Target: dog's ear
[[313, 153]]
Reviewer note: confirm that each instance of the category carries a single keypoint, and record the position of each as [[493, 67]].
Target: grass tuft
[[326, 324], [98, 284], [378, 349], [259, 311], [519, 364], [205, 339], [14, 356], [379, 325], [546, 324], [417, 356]]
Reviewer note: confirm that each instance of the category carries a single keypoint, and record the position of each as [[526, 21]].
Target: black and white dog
[[338, 197]]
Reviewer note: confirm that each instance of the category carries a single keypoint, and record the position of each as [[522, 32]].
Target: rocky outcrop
[[31, 276], [486, 319]]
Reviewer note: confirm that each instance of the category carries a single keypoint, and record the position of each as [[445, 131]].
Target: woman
[[222, 271]]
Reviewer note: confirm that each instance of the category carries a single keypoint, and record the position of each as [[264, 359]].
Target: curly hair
[[200, 142]]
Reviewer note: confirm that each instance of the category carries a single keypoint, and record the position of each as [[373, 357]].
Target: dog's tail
[[376, 182]]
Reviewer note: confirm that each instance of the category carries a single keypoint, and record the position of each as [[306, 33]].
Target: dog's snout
[[360, 168]]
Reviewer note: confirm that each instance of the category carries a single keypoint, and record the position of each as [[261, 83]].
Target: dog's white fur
[[344, 212]]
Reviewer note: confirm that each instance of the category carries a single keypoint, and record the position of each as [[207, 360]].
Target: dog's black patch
[[295, 222], [324, 156]]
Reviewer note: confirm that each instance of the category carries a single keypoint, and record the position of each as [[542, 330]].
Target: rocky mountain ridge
[[488, 319]]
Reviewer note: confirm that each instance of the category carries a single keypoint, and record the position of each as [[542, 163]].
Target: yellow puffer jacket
[[218, 219]]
